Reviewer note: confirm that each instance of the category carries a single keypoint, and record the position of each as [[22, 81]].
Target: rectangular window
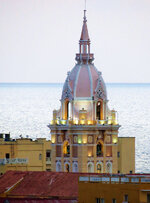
[[148, 198], [118, 171], [74, 151], [97, 200], [118, 154], [82, 49], [126, 198], [130, 172], [109, 151], [40, 156], [48, 156], [58, 151], [90, 151], [7, 156], [102, 200], [114, 200]]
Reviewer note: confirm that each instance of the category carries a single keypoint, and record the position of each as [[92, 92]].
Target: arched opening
[[82, 49], [58, 167], [99, 149], [68, 110], [66, 149], [90, 168], [109, 167], [75, 167], [98, 110], [99, 167], [67, 167]]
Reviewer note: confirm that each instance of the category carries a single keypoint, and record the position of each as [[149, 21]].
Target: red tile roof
[[48, 184], [9, 179], [40, 184], [43, 184]]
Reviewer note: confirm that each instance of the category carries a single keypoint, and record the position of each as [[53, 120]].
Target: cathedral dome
[[84, 80]]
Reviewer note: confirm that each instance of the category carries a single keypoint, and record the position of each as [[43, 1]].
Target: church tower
[[84, 132]]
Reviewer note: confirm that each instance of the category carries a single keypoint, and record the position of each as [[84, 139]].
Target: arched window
[[75, 167], [66, 148], [58, 167], [98, 111], [90, 168], [99, 167], [67, 167], [99, 150], [109, 167], [82, 49], [68, 110]]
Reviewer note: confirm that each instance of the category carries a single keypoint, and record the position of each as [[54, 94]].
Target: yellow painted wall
[[126, 161], [88, 192], [34, 151]]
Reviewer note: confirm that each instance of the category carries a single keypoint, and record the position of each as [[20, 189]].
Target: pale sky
[[39, 39]]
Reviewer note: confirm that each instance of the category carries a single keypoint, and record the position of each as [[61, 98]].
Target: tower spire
[[85, 5], [84, 33], [84, 55], [84, 16]]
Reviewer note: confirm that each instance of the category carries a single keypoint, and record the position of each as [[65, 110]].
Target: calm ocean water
[[27, 109]]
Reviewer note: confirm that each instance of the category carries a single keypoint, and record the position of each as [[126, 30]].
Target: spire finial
[[85, 13], [85, 5], [84, 16]]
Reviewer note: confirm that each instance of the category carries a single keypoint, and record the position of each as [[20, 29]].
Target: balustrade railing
[[115, 179], [82, 122]]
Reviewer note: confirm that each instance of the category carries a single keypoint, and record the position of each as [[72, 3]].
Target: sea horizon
[[61, 83], [27, 109]]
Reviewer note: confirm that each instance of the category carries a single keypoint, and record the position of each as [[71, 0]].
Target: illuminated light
[[52, 122], [89, 154], [79, 141], [63, 122], [109, 122], [115, 140], [76, 121], [57, 122], [102, 122], [89, 122], [115, 123], [84, 140], [82, 122], [53, 140]]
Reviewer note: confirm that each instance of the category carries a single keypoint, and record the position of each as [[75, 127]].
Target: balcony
[[48, 160], [83, 122], [84, 57], [116, 179], [66, 155], [100, 154]]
